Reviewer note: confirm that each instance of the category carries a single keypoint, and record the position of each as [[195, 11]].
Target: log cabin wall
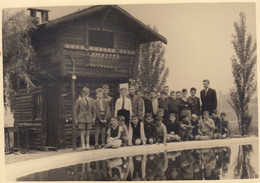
[[28, 113], [115, 60]]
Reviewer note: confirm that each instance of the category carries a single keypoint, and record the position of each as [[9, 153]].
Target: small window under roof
[[103, 39]]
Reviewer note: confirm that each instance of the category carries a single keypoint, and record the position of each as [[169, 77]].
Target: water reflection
[[243, 168], [195, 164]]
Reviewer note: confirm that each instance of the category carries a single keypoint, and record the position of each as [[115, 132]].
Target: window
[[103, 39], [37, 106]]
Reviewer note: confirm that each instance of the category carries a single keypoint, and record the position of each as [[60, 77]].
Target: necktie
[[123, 103], [86, 100]]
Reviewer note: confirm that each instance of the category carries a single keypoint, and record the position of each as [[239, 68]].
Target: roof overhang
[[155, 36]]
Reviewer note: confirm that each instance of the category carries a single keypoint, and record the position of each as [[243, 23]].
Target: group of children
[[137, 119]]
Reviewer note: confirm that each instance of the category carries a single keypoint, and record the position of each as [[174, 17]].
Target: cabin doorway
[[52, 117]]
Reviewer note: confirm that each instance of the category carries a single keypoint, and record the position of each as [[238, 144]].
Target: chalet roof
[[155, 36]]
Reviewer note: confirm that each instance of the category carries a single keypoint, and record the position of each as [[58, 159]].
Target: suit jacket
[[195, 109], [136, 105], [85, 112], [173, 106], [208, 100], [106, 109], [185, 105], [148, 105], [164, 105]]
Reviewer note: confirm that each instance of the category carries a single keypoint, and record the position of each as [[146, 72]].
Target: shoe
[[87, 147], [83, 147]]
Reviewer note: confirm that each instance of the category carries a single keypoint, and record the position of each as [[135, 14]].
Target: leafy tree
[[152, 73], [18, 54], [243, 63]]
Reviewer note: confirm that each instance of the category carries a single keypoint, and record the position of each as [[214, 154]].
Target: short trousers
[[84, 126], [99, 124]]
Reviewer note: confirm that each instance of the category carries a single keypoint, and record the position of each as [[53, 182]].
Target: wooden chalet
[[90, 47]]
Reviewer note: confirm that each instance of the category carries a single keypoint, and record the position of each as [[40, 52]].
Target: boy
[[173, 129], [136, 131], [195, 101], [85, 113], [225, 126], [108, 99], [123, 106], [218, 129], [160, 114], [150, 129], [140, 105], [147, 103], [186, 128], [185, 105], [161, 131], [155, 104], [172, 95], [125, 133], [178, 95], [173, 106], [195, 125], [206, 128], [164, 103], [102, 115], [114, 134]]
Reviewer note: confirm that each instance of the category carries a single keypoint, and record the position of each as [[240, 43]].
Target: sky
[[199, 38]]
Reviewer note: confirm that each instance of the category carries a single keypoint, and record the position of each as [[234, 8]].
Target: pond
[[230, 162]]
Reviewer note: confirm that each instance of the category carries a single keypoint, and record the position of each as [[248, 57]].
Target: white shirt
[[127, 105]]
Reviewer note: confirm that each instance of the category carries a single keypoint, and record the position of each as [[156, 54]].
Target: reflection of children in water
[[161, 166], [173, 171], [136, 168], [187, 165], [209, 164], [118, 168]]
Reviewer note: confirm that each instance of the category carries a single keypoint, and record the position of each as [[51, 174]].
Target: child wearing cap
[[136, 131], [114, 134], [161, 130], [102, 115], [150, 129], [173, 129], [206, 128]]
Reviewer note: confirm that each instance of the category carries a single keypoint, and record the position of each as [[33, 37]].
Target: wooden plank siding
[[23, 116], [76, 33]]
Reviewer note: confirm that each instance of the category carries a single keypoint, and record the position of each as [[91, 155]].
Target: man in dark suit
[[208, 98], [195, 109]]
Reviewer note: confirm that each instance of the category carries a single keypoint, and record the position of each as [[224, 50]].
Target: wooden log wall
[[115, 63], [23, 116]]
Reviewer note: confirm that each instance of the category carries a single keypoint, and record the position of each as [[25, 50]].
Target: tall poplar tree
[[152, 68], [243, 63]]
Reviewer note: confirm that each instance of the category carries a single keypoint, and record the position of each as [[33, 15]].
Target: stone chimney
[[44, 14]]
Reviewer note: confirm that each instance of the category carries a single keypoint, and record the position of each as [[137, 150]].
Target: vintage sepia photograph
[[130, 92]]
